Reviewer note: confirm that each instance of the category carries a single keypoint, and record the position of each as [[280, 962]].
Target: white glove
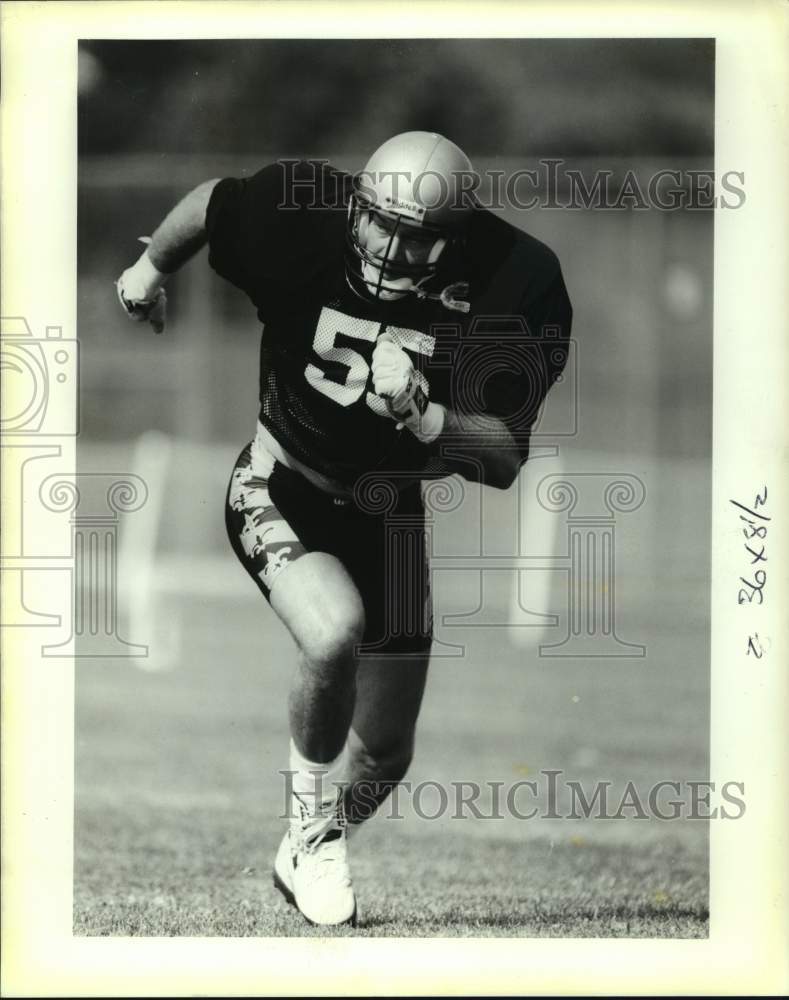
[[141, 294], [395, 380]]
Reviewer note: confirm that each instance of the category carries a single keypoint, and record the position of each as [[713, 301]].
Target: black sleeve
[[240, 220], [268, 233]]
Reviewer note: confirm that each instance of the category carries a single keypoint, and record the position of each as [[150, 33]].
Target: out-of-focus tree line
[[521, 97], [159, 117]]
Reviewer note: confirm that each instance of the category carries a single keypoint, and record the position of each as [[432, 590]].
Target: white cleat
[[311, 867]]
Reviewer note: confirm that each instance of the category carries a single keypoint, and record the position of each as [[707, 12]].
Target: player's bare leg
[[320, 605], [318, 602], [381, 740]]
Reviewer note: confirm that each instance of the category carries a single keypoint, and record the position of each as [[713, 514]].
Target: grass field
[[178, 794]]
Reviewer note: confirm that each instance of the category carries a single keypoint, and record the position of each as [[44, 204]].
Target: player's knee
[[398, 761], [332, 643], [383, 763]]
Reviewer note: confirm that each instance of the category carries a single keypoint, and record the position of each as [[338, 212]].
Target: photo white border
[[749, 923]]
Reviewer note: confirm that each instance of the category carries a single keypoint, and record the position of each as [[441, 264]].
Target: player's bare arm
[[492, 455], [175, 241]]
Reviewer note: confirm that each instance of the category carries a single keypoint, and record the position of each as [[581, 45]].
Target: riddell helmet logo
[[417, 211]]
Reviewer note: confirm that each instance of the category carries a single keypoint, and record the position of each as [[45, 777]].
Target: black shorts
[[273, 520]]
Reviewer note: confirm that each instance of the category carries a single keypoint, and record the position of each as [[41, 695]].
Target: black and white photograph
[[380, 487], [461, 271]]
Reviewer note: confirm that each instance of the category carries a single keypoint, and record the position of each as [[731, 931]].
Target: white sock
[[313, 780]]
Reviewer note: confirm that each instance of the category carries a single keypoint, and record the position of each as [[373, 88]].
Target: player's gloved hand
[[141, 294], [395, 380]]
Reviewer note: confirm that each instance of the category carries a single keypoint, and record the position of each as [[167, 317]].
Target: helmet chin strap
[[447, 296], [452, 297]]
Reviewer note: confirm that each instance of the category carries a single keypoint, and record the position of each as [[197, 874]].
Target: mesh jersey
[[280, 237]]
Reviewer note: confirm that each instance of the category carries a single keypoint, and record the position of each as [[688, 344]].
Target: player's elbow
[[503, 472], [503, 459]]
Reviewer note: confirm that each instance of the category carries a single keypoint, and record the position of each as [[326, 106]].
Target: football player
[[402, 340]]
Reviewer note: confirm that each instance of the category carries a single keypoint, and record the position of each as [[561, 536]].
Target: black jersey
[[280, 237]]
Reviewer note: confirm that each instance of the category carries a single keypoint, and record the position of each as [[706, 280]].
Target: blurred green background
[[522, 97]]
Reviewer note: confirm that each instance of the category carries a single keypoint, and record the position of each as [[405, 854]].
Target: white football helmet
[[407, 214]]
